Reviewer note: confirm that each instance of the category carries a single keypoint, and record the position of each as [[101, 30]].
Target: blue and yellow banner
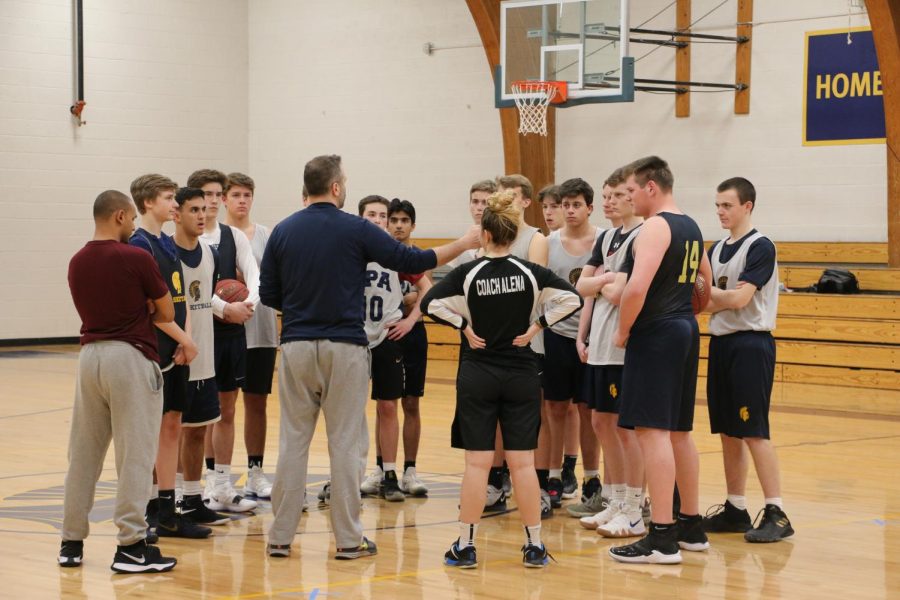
[[843, 101]]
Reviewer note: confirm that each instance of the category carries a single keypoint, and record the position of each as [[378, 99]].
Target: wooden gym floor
[[841, 488]]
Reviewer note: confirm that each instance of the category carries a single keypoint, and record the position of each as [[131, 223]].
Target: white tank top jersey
[[199, 287], [262, 328], [567, 267], [760, 312], [384, 298], [519, 247], [605, 318], [466, 256]]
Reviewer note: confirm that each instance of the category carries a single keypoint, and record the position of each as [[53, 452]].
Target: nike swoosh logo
[[635, 523], [140, 560], [188, 511]]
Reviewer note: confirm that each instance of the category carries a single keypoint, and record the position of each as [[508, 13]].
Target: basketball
[[700, 294], [232, 290]]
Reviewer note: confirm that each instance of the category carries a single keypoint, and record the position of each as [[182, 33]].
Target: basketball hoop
[[532, 99]]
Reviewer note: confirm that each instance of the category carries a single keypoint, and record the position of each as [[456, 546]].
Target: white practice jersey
[[759, 314], [568, 267], [384, 301], [199, 286], [262, 328]]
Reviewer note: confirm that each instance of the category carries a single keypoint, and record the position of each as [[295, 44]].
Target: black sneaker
[[462, 558], [570, 483], [589, 487], [658, 547], [690, 533], [141, 558], [507, 482], [555, 489], [183, 528], [193, 509], [496, 500], [726, 518], [390, 488], [367, 548], [535, 557], [774, 526], [71, 553]]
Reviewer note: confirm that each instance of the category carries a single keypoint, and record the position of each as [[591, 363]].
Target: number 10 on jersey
[[692, 260]]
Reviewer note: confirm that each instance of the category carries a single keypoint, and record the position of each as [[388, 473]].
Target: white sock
[[633, 498], [776, 501], [606, 491], [533, 535], [588, 473], [223, 475], [179, 481], [618, 493], [192, 488], [555, 473], [467, 533], [739, 502], [390, 467], [154, 491]]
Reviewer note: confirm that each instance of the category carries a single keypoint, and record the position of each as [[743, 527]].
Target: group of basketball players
[[512, 294]]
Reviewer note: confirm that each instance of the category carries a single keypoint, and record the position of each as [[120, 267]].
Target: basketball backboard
[[581, 42]]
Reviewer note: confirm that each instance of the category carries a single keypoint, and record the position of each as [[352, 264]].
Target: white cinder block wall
[[166, 91], [263, 86], [829, 193]]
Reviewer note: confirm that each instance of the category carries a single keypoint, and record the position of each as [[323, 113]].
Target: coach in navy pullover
[[313, 269]]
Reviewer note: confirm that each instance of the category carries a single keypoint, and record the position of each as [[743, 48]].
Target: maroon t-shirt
[[110, 284]]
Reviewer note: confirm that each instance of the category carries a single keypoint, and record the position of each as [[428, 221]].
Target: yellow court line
[[443, 569]]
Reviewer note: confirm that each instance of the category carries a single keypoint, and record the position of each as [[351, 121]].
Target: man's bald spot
[[108, 202]]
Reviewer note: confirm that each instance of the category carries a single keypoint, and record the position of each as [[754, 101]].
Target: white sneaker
[[411, 484], [225, 498], [210, 484], [601, 518], [257, 484], [623, 525], [372, 485]]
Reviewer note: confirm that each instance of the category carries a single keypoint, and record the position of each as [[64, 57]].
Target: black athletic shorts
[[562, 377], [260, 371], [231, 361], [204, 399], [739, 383], [488, 393], [659, 381], [602, 387], [175, 396], [387, 371], [415, 360]]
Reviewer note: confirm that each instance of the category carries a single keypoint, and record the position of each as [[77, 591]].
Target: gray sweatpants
[[332, 376], [118, 397]]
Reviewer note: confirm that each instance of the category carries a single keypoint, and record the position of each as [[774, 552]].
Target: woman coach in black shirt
[[500, 297]]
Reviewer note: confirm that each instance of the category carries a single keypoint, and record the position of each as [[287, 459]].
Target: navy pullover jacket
[[314, 271]]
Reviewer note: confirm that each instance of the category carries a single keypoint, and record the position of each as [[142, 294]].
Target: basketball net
[[532, 99]]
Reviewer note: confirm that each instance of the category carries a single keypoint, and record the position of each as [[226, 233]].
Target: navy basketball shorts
[[387, 371], [204, 400], [603, 387], [489, 393], [260, 371], [659, 380], [739, 383], [175, 395], [562, 377], [415, 360], [231, 361]]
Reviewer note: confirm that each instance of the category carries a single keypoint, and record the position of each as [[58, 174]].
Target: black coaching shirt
[[670, 291], [501, 297]]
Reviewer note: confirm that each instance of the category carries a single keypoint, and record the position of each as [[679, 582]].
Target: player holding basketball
[[563, 373], [659, 379], [262, 340], [119, 294], [743, 303], [496, 302], [601, 283], [414, 341], [154, 196], [324, 355], [235, 255]]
